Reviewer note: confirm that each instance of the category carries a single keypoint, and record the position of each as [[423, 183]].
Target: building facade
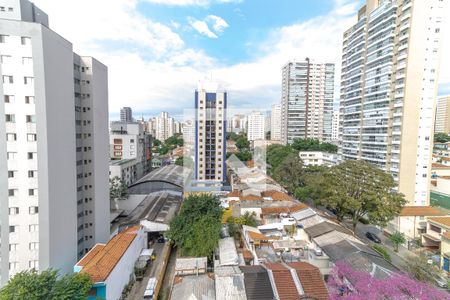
[[54, 124], [210, 133], [237, 124], [335, 126], [442, 119], [319, 158], [130, 141], [275, 123], [164, 126], [256, 126], [126, 114], [307, 100], [388, 90]]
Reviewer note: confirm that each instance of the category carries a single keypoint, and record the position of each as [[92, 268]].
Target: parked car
[[373, 237]]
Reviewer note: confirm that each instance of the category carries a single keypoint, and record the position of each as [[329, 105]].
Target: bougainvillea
[[346, 283]]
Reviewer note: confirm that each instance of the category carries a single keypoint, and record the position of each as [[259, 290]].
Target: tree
[[276, 154], [244, 156], [290, 172], [156, 142], [232, 136], [397, 238], [46, 285], [420, 269], [356, 189], [118, 189], [174, 141], [313, 145], [196, 230], [242, 143], [163, 150], [441, 137], [248, 219], [364, 286], [183, 161]]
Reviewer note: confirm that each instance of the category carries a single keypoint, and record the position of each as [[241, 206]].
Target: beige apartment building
[[442, 120], [388, 90]]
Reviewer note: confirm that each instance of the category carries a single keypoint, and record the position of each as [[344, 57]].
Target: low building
[[111, 265], [125, 169], [193, 287], [191, 266], [440, 192], [319, 158], [412, 220], [436, 227], [445, 252]]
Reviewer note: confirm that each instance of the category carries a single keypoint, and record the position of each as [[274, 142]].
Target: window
[[25, 40], [3, 38], [10, 118], [28, 80], [13, 228], [11, 174], [8, 98], [27, 60], [31, 118], [31, 137], [32, 192], [33, 228], [32, 174], [29, 99], [5, 58], [33, 246], [8, 79], [33, 210], [31, 155], [11, 137], [11, 155], [13, 247], [13, 265], [33, 264], [13, 210]]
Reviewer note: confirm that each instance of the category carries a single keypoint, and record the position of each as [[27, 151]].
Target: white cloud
[[218, 23], [202, 28]]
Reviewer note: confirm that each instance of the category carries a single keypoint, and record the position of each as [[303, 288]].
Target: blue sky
[[157, 50]]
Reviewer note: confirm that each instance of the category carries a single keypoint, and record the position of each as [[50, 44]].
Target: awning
[[430, 237]]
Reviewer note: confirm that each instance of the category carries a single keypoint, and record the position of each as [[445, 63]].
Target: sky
[[158, 50]]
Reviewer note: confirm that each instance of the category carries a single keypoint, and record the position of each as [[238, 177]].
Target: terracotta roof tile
[[250, 198], [445, 158], [93, 252], [257, 236], [439, 166], [441, 220], [234, 194], [274, 210], [311, 280], [286, 288], [247, 254], [103, 262], [408, 211], [298, 207]]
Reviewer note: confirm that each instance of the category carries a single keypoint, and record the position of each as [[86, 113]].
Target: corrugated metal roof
[[194, 287], [229, 283], [227, 252], [257, 283]]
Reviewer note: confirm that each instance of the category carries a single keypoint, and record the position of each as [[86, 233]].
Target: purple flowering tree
[[346, 283]]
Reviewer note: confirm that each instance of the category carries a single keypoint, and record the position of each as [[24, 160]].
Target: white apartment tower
[[210, 133], [126, 114], [256, 126], [335, 126], [307, 100], [388, 90], [164, 126], [53, 147], [275, 123], [442, 123]]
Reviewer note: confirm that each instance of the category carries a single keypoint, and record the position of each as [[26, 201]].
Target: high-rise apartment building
[[256, 126], [53, 147], [388, 90], [164, 126], [237, 123], [442, 120], [275, 123], [126, 114], [307, 100], [335, 126], [210, 133]]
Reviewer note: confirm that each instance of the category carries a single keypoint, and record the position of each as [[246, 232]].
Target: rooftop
[[445, 221], [193, 287], [323, 228], [101, 260], [257, 283], [408, 211], [311, 280], [119, 162]]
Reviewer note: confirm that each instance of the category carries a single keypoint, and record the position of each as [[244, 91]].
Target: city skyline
[[173, 53]]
